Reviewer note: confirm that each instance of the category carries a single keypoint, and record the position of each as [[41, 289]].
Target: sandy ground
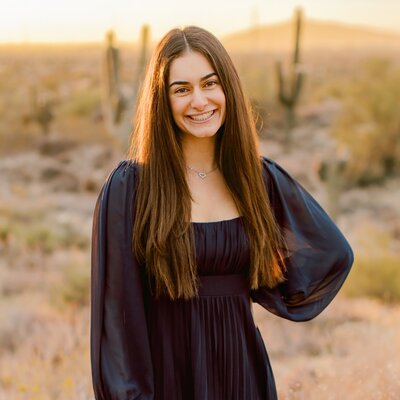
[[349, 352]]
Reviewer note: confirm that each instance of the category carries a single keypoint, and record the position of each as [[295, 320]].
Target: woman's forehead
[[189, 66]]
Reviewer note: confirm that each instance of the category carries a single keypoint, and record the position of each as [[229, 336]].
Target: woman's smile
[[196, 96], [202, 117]]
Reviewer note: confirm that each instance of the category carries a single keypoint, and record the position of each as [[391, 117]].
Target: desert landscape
[[56, 150]]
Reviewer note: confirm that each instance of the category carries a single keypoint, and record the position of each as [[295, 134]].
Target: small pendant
[[202, 175]]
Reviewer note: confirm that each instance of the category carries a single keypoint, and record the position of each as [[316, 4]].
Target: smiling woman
[[190, 230], [196, 96]]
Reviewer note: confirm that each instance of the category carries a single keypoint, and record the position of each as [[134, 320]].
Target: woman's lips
[[201, 117]]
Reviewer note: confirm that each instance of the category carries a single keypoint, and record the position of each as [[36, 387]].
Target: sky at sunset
[[88, 20]]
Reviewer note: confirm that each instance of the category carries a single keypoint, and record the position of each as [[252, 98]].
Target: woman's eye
[[181, 90], [211, 83]]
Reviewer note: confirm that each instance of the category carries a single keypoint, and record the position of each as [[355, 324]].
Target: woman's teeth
[[201, 117]]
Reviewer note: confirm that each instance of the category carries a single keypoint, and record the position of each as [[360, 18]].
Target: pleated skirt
[[209, 348]]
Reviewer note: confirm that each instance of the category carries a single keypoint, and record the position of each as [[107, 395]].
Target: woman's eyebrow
[[186, 83]]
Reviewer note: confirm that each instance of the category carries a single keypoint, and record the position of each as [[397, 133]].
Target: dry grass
[[349, 352], [49, 358]]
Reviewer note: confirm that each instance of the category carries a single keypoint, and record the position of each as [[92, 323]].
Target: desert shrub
[[29, 229], [41, 238], [369, 125], [377, 276], [73, 238], [73, 289], [47, 238], [82, 104], [5, 232], [376, 270]]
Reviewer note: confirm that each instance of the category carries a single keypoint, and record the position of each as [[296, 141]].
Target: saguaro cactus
[[119, 103], [41, 111], [332, 172], [112, 86], [290, 87]]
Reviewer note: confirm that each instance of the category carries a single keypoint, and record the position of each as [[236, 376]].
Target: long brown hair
[[163, 236]]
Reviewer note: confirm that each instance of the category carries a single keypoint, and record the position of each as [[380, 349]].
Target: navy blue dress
[[207, 348]]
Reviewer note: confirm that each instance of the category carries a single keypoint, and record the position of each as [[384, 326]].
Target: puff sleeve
[[120, 351], [319, 257]]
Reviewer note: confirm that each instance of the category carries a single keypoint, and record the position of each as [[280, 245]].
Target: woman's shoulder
[[278, 180], [121, 181], [271, 165], [123, 171], [272, 169], [124, 167]]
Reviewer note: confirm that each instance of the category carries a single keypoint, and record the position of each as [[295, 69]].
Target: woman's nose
[[199, 100]]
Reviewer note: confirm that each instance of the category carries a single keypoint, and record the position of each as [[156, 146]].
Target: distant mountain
[[317, 35]]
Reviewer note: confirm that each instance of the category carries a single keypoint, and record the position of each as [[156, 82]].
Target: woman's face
[[195, 94]]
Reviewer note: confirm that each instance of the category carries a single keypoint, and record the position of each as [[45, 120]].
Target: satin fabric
[[318, 261]]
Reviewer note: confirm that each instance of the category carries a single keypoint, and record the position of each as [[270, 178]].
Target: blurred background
[[324, 79]]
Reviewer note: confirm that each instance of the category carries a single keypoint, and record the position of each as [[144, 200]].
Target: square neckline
[[216, 222]]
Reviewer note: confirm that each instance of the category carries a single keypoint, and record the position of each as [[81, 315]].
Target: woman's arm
[[319, 257], [120, 352]]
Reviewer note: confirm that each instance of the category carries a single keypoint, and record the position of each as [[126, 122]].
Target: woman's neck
[[199, 153]]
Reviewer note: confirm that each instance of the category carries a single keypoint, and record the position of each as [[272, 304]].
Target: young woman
[[193, 227]]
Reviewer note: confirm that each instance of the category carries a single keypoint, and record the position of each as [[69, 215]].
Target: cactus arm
[[120, 102], [289, 88]]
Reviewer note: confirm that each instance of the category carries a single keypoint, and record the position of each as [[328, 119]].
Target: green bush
[[82, 104], [42, 238], [377, 276], [47, 239], [72, 238], [73, 289], [369, 125], [5, 232]]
